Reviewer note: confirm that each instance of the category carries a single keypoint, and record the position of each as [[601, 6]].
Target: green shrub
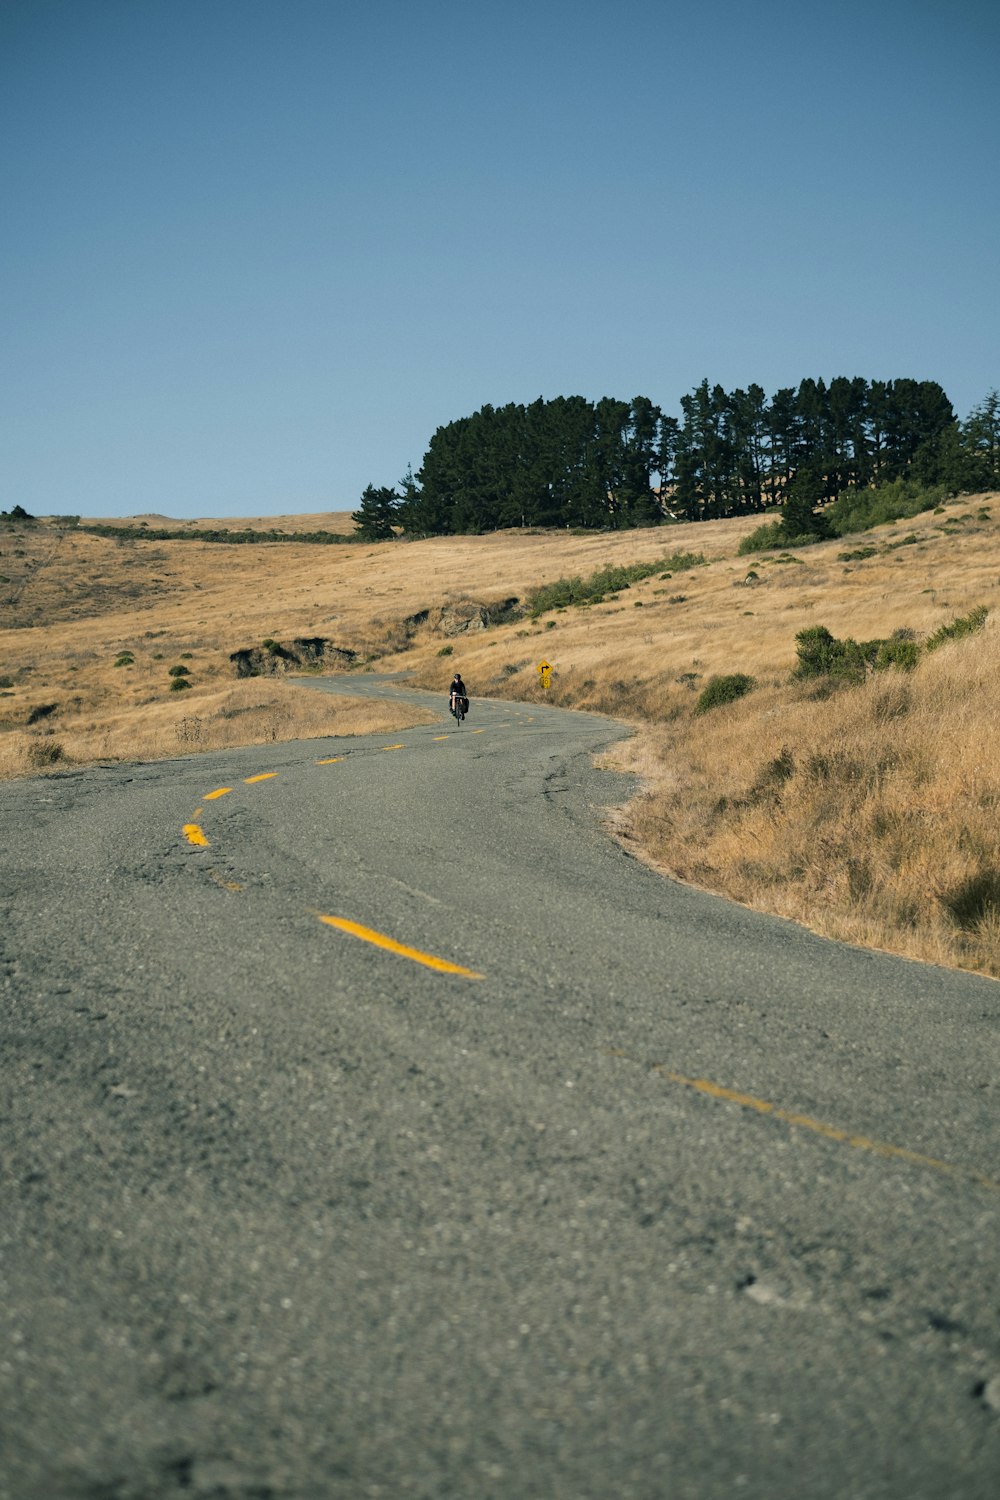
[[179, 684], [859, 510], [446, 650], [125, 659], [822, 655], [605, 583], [963, 625], [187, 656], [897, 653], [726, 689], [179, 671], [858, 555], [772, 534]]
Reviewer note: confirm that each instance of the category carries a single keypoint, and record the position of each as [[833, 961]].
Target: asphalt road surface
[[374, 1125]]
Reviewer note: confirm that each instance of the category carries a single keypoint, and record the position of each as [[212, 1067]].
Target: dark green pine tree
[[799, 515], [981, 441], [376, 518]]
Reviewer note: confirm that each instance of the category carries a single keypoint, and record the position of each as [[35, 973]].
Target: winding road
[[375, 1126]]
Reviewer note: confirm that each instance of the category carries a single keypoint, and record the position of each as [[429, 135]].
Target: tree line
[[572, 462]]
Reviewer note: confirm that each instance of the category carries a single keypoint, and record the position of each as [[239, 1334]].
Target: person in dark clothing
[[457, 690]]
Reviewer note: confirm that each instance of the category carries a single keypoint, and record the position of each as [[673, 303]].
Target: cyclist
[[457, 692]]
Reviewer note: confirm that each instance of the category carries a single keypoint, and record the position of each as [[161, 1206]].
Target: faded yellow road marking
[[440, 736], [806, 1122], [219, 792], [195, 836], [479, 731], [393, 747], [331, 760], [264, 776], [227, 885], [379, 939]]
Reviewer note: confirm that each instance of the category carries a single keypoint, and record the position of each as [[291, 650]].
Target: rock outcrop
[[272, 657]]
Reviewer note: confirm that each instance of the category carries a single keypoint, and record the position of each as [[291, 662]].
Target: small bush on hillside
[[179, 671], [446, 650], [726, 689], [179, 684], [125, 659], [858, 555], [963, 625], [763, 538]]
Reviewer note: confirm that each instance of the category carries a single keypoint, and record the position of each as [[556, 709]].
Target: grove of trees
[[611, 463]]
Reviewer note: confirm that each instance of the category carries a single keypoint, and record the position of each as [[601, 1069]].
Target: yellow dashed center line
[[264, 776], [194, 835], [380, 940], [221, 791], [818, 1127], [440, 736], [393, 747], [331, 760]]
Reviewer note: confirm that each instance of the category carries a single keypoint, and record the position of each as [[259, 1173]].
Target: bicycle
[[458, 707]]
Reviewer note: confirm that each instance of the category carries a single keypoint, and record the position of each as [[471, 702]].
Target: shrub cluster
[[821, 654], [854, 510], [606, 581], [963, 625], [725, 689]]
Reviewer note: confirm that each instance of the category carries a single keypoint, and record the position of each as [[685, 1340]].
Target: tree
[[799, 515], [375, 520], [981, 441]]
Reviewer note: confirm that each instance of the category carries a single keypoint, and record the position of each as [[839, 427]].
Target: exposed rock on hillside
[[472, 614], [305, 651]]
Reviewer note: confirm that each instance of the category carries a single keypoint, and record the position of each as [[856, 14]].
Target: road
[[375, 1126]]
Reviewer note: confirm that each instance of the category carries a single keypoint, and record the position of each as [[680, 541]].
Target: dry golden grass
[[866, 814], [148, 726]]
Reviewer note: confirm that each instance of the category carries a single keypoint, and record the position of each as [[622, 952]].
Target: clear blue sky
[[253, 252]]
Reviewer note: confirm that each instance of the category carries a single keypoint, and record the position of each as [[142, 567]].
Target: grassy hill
[[862, 804]]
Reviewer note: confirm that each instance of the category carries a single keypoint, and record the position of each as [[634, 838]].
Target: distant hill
[[331, 520]]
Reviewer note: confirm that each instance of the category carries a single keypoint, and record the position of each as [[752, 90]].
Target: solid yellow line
[[219, 792], [380, 940], [829, 1132], [264, 776], [194, 835]]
